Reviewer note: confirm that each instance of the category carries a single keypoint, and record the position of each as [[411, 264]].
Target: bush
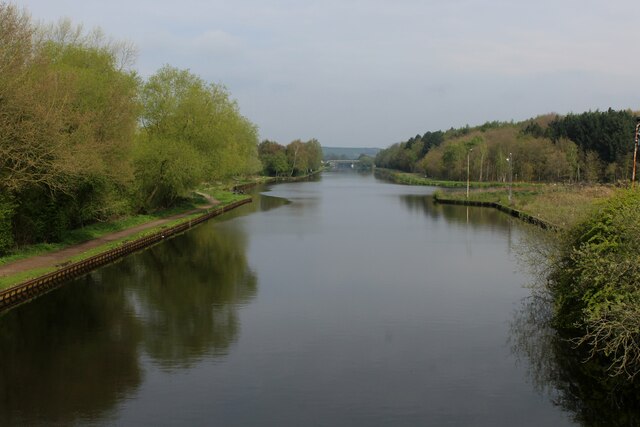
[[595, 283]]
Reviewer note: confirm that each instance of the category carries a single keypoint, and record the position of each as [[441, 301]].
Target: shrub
[[595, 283]]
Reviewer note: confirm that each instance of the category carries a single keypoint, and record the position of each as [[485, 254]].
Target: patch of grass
[[8, 281], [81, 235], [117, 243], [101, 229], [407, 178], [224, 196], [97, 230], [14, 279], [30, 251], [558, 204]]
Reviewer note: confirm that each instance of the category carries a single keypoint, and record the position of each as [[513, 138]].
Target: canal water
[[339, 302]]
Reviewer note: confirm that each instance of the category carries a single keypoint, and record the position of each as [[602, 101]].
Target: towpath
[[60, 257]]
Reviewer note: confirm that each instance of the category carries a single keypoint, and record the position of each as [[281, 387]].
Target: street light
[[468, 153], [635, 153]]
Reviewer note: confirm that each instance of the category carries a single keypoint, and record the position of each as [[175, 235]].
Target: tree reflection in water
[[488, 218], [65, 359], [71, 356], [580, 386], [189, 305]]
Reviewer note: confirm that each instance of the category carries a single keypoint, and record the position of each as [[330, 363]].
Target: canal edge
[[241, 188], [523, 216], [38, 286]]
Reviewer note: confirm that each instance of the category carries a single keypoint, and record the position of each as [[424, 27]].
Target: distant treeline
[[589, 147], [83, 138], [297, 158]]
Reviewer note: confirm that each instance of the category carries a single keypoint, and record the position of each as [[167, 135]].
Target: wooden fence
[[40, 285]]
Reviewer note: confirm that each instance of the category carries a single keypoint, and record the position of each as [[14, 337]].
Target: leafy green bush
[[596, 282]]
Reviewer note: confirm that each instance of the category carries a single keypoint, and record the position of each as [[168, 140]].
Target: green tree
[[273, 157], [191, 131], [592, 166], [314, 154], [67, 115], [297, 157], [365, 163], [453, 157]]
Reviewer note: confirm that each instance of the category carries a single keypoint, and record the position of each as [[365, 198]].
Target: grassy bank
[[557, 204], [562, 205], [407, 178], [97, 230], [219, 191]]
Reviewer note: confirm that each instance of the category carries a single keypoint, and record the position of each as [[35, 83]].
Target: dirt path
[[57, 258]]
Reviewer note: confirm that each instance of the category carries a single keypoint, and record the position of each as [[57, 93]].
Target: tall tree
[[67, 114], [205, 136]]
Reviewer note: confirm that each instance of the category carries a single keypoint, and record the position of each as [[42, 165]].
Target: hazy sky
[[374, 72]]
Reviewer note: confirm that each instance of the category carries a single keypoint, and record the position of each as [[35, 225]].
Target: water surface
[[342, 301]]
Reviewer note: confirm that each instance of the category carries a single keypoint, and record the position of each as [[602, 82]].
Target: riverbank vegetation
[[594, 280], [559, 204], [84, 139], [594, 266], [407, 178], [589, 147], [296, 159]]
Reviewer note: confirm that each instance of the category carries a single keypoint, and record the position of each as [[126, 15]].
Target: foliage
[[595, 283], [274, 158], [399, 156], [166, 171], [591, 147], [607, 133], [72, 149], [560, 205], [365, 163], [191, 131], [583, 388], [296, 159], [67, 118], [415, 179]]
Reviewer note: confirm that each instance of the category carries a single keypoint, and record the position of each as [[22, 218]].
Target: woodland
[[84, 138]]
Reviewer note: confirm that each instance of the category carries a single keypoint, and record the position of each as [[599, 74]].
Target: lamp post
[[510, 160], [635, 153], [468, 153]]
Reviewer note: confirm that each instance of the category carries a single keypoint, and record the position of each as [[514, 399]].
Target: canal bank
[[48, 271], [523, 216], [241, 188], [552, 206], [32, 288]]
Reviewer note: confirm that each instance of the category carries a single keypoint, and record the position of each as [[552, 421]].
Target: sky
[[369, 73]]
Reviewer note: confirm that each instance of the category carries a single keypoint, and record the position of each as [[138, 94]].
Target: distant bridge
[[342, 164]]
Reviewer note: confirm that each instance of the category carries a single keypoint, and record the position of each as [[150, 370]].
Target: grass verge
[[562, 205], [407, 178], [99, 230]]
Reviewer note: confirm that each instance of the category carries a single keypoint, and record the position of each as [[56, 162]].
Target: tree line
[[594, 146], [83, 138], [297, 158]]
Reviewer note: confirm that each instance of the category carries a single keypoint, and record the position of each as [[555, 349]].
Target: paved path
[[59, 257]]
